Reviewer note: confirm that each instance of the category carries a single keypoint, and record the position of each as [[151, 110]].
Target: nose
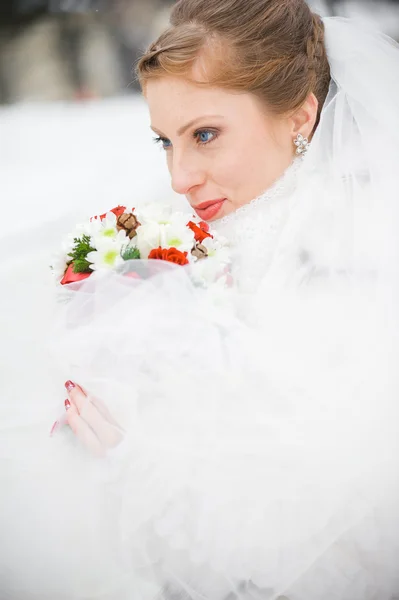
[[185, 174]]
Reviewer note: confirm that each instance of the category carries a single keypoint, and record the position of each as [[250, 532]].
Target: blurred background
[[74, 130], [72, 50], [77, 50]]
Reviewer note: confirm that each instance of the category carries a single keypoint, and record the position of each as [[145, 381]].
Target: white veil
[[261, 451], [356, 145]]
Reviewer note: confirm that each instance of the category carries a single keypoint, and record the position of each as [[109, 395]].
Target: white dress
[[260, 456]]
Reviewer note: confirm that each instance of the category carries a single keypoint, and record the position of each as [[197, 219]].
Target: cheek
[[247, 169], [239, 167], [266, 154], [230, 166]]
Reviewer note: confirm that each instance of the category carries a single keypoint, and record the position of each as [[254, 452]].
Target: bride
[[239, 442]]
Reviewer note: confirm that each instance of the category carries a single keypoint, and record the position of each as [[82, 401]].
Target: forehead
[[173, 101], [184, 96]]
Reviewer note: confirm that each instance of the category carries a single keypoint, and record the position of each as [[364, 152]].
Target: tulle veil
[[260, 455]]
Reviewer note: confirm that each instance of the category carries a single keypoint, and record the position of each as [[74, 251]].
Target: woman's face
[[222, 148]]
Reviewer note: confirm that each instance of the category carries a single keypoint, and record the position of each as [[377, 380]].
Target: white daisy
[[106, 230], [217, 248], [161, 214], [210, 269], [106, 256], [148, 237], [60, 259], [176, 234], [59, 264]]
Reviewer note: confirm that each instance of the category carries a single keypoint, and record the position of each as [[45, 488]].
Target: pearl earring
[[302, 145]]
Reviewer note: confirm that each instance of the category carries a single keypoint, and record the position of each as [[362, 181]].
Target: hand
[[91, 421]]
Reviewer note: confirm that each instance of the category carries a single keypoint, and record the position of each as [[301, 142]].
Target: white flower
[[59, 264], [209, 270], [106, 256], [177, 235], [61, 258], [105, 229], [119, 239], [148, 237], [217, 248], [162, 214], [172, 234], [108, 226], [153, 213]]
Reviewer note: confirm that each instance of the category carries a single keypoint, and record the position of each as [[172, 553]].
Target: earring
[[302, 145]]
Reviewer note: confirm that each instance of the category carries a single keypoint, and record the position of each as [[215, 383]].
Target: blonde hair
[[273, 49]]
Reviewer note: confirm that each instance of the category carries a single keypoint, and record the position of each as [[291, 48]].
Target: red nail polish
[[67, 405], [54, 428], [69, 385]]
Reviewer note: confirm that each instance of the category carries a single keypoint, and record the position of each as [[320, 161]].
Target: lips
[[208, 210]]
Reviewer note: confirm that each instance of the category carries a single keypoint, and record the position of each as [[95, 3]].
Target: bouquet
[[107, 241]]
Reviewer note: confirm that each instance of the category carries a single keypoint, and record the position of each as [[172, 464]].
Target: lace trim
[[253, 230]]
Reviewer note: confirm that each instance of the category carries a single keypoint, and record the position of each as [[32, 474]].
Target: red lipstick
[[208, 210]]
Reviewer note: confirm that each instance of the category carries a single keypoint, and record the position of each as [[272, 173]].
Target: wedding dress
[[260, 452]]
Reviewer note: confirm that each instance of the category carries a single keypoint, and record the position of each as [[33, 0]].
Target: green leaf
[[81, 266], [79, 253], [130, 253]]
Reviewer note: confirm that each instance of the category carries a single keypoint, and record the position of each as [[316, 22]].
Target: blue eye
[[164, 141], [202, 137], [205, 136]]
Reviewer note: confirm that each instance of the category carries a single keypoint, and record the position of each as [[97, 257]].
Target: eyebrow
[[182, 130]]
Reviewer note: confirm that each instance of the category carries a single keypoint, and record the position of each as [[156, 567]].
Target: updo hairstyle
[[273, 49]]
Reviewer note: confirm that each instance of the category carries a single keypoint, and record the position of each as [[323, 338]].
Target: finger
[[99, 404], [76, 394], [70, 386], [58, 424], [88, 412], [83, 431], [107, 434]]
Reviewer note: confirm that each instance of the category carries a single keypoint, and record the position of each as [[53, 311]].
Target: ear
[[304, 119]]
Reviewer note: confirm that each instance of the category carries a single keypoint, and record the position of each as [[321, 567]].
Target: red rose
[[200, 233], [71, 277], [172, 255]]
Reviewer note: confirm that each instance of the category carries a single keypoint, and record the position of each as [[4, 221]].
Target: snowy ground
[[75, 160]]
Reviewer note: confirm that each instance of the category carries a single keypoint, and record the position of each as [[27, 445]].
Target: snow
[[75, 160]]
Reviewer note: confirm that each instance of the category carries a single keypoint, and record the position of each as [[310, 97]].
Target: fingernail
[[69, 385], [54, 428], [67, 404]]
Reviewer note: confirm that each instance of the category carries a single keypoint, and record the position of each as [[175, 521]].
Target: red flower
[[200, 232], [71, 277], [118, 211], [204, 226], [172, 255]]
